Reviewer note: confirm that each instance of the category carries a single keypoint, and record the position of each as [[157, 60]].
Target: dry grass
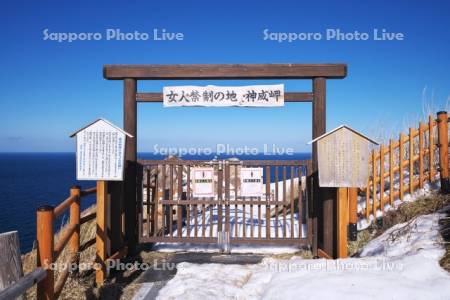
[[364, 237], [407, 211]]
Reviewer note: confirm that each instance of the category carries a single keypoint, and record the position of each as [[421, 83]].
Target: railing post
[[44, 235], [75, 220], [443, 150], [431, 148], [411, 160], [400, 164]]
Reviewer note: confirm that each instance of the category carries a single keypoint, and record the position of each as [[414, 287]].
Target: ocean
[[29, 180]]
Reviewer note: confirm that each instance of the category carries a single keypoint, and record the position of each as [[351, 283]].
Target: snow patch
[[400, 264]]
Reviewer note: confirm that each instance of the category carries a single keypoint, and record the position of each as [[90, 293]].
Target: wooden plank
[[322, 254], [284, 201], [276, 199], [391, 172], [313, 240], [10, 260], [374, 184], [268, 225], [431, 148], [292, 208], [180, 192], [411, 160], [368, 196], [62, 278], [61, 208], [148, 206], [203, 220], [44, 236], [171, 199], [220, 196], [156, 205], [343, 218], [400, 163], [101, 235], [63, 240], [421, 142], [443, 151], [382, 153], [16, 290], [288, 97], [225, 71], [353, 213], [235, 197], [227, 174]]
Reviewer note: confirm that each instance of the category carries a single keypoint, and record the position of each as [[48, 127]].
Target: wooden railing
[[406, 164], [49, 251]]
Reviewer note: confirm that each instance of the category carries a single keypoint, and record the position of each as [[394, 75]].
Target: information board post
[[342, 157]]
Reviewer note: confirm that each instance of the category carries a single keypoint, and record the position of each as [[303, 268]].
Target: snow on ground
[[400, 264]]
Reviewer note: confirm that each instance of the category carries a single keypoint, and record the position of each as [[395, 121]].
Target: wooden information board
[[100, 152], [343, 159]]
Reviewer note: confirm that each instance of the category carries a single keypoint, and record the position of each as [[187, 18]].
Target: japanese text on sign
[[203, 182], [253, 96], [251, 182]]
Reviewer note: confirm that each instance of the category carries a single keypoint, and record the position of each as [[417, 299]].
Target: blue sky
[[50, 89]]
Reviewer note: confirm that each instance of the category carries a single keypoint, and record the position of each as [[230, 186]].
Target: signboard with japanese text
[[251, 182], [251, 96], [100, 152], [343, 159], [203, 182]]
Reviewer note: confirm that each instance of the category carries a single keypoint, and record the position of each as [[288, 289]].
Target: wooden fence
[[406, 164], [48, 250]]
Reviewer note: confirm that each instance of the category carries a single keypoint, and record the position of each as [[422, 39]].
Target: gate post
[[442, 120], [324, 203], [130, 126]]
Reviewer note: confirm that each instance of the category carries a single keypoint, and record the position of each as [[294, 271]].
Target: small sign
[[343, 156], [252, 96], [203, 182], [251, 182], [100, 151]]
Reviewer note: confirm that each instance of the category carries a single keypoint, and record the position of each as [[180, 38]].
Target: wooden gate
[[324, 199], [170, 212]]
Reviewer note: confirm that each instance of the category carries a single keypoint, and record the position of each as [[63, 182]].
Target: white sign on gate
[[253, 95], [100, 151], [251, 182], [203, 182]]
